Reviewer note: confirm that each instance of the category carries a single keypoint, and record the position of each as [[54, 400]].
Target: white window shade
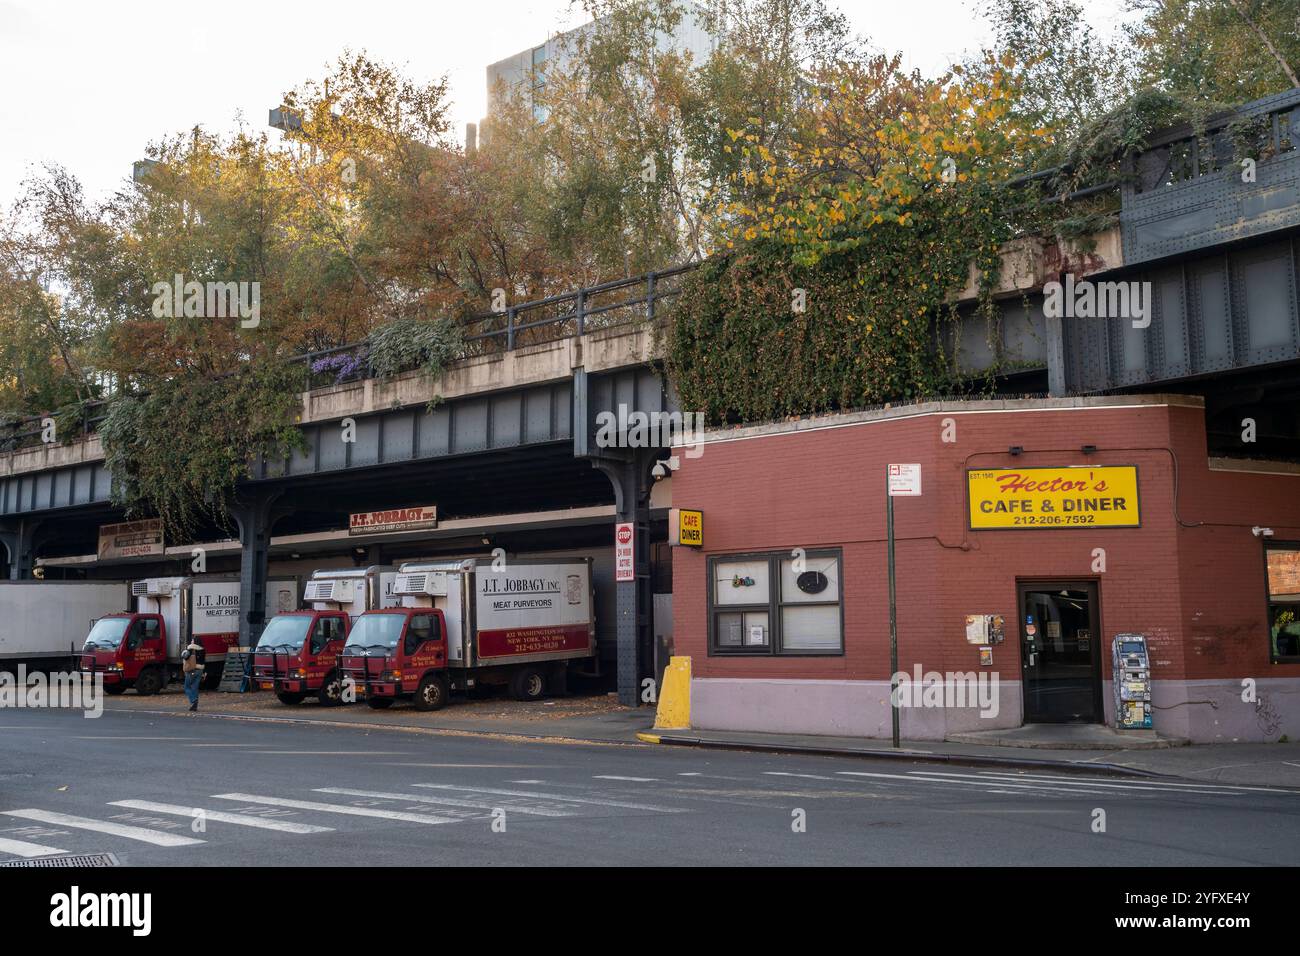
[[815, 628]]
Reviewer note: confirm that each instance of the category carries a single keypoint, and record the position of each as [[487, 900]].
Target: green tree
[[1218, 51]]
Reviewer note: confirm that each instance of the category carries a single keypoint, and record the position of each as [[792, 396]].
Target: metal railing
[[608, 305], [1259, 131], [567, 315]]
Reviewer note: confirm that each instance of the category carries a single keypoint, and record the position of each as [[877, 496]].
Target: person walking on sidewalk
[[192, 662]]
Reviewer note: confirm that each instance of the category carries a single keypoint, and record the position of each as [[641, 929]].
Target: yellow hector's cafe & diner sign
[[1074, 497]]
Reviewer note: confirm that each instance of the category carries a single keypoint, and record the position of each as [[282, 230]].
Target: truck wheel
[[432, 693], [331, 692], [290, 699], [528, 684], [149, 682], [212, 676], [114, 689], [379, 703]]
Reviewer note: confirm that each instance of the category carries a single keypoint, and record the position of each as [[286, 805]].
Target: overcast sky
[[89, 83]]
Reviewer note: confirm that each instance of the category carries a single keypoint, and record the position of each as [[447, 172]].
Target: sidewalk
[[595, 719], [1262, 765]]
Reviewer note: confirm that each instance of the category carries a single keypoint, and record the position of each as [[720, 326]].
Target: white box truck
[[43, 623], [462, 623]]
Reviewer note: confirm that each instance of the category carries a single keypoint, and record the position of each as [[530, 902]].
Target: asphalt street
[[199, 791]]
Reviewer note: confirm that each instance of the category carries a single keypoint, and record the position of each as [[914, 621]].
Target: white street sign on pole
[[904, 481]]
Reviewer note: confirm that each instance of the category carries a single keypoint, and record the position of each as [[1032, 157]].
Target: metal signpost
[[901, 481]]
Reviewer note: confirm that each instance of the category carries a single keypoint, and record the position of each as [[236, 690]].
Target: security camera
[[663, 468], [1259, 532]]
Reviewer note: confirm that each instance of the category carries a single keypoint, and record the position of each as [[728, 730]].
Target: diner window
[[1282, 561], [776, 603]]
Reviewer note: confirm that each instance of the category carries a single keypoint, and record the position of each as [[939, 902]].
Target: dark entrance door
[[1060, 646]]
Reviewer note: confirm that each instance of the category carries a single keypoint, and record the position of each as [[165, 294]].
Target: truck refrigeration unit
[[462, 623], [142, 649], [297, 654], [42, 623]]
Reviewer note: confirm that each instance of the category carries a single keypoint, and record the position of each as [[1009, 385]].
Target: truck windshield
[[376, 630], [107, 633], [285, 631]]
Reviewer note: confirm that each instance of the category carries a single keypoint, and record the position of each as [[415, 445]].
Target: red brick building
[[784, 610]]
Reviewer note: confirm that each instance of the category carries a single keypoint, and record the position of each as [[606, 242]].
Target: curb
[[909, 755], [352, 725]]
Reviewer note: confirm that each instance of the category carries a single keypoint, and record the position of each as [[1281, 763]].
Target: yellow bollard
[[674, 712]]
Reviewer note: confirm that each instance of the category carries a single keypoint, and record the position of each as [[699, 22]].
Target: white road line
[[604, 776], [525, 781], [221, 816], [144, 835], [129, 737], [489, 766], [972, 783], [692, 773], [333, 753], [445, 801], [333, 808], [19, 848], [806, 776], [1028, 779], [553, 796], [1208, 785]]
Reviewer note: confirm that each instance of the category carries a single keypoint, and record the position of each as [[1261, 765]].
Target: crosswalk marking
[[445, 801], [144, 835], [333, 808], [29, 850], [1168, 786], [601, 776], [999, 779], [917, 778], [552, 796], [221, 816]]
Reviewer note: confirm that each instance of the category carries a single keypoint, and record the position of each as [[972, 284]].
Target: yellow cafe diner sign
[[1073, 497]]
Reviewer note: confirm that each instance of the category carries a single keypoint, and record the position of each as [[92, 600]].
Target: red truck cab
[[398, 653], [298, 654], [129, 650]]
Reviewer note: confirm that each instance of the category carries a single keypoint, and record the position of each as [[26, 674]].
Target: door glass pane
[[1284, 601], [1059, 653]]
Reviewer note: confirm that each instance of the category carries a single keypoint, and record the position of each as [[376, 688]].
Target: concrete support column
[[19, 540], [256, 514], [633, 601]]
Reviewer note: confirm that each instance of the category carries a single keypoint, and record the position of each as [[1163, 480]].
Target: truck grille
[[139, 587]]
